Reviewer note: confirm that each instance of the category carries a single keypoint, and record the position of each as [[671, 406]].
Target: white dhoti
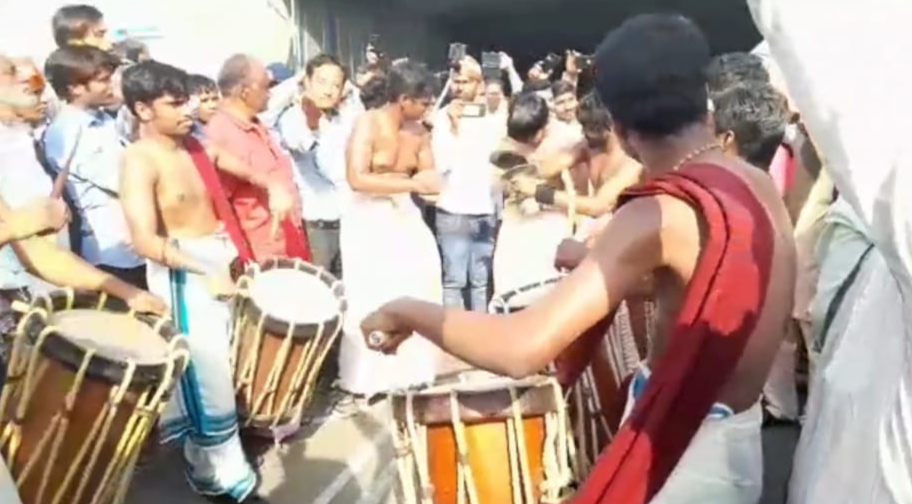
[[856, 445], [724, 461], [387, 252], [202, 412], [526, 246], [8, 492]]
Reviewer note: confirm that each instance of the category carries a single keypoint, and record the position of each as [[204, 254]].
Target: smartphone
[[490, 65], [456, 53], [473, 110]]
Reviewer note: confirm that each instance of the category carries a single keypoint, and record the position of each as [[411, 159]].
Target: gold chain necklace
[[696, 152]]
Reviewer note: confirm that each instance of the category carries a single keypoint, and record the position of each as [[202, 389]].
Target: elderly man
[[463, 139], [244, 83]]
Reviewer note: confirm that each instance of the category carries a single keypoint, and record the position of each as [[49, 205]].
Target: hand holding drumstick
[[383, 332]]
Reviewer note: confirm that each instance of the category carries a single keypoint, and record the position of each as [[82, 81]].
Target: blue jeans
[[467, 248]]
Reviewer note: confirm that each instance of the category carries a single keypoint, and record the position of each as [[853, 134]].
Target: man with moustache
[[235, 127], [30, 220], [316, 129], [463, 138], [85, 138], [186, 231]]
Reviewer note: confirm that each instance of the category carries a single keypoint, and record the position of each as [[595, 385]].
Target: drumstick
[[377, 339], [274, 230], [61, 179]]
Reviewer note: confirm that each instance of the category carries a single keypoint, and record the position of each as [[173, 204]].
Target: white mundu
[[846, 66], [8, 492]]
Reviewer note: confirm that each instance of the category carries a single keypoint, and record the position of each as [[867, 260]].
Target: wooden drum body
[[478, 438], [288, 315], [596, 401], [87, 381]]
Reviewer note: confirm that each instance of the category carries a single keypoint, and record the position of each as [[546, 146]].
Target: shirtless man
[[610, 169], [170, 213], [711, 454], [387, 250]]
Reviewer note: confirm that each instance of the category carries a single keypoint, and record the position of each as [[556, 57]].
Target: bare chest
[[180, 188]]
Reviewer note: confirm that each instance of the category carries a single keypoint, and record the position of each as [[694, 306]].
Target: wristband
[[544, 194]]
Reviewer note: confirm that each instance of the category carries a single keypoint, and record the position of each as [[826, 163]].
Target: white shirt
[[463, 161], [22, 179]]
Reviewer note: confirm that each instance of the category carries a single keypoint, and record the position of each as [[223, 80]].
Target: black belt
[[323, 224]]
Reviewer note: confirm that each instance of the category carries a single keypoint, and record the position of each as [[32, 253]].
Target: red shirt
[[252, 144]]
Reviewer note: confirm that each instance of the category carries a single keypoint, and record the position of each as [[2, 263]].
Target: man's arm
[[231, 165], [137, 195], [606, 197], [42, 257], [358, 155], [637, 241]]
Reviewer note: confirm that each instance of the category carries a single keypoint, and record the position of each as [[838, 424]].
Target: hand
[[281, 202], [426, 182], [146, 302], [312, 113], [454, 112], [371, 55], [525, 185], [570, 253], [572, 67], [39, 216], [220, 285], [506, 62], [393, 331]]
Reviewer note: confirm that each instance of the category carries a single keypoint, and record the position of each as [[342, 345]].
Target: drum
[[596, 400], [87, 381], [483, 439], [287, 316]]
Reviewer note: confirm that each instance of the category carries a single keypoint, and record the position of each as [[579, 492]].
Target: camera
[[456, 54], [551, 62], [585, 62]]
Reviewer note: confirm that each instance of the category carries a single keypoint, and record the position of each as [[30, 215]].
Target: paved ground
[[350, 461]]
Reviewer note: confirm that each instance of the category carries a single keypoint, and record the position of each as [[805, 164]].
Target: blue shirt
[[319, 156], [93, 182]]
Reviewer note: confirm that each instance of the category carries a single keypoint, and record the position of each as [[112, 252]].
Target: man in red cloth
[[715, 236]]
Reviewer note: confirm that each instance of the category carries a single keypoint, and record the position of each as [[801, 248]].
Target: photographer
[[464, 136]]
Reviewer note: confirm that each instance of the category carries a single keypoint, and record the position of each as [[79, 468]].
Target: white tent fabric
[[846, 67]]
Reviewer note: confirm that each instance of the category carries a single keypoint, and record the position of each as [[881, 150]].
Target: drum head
[[293, 295], [117, 337], [477, 381], [518, 299]]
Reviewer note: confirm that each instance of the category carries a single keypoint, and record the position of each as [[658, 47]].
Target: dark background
[[529, 29]]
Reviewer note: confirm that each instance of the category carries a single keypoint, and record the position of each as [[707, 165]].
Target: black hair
[[71, 66], [561, 87], [374, 92], [199, 84], [131, 49], [729, 69], [72, 22], [150, 80], [537, 85], [527, 115], [321, 60], [411, 80], [757, 114], [594, 117], [651, 74]]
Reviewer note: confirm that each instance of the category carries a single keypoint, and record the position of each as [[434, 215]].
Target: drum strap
[[223, 209]]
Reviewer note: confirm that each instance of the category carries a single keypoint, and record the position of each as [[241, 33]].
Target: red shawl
[[720, 311], [296, 244]]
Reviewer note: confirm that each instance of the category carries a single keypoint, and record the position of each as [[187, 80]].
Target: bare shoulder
[[140, 155]]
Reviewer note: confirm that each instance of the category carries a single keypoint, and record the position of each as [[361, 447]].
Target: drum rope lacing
[[313, 355], [148, 407], [411, 450]]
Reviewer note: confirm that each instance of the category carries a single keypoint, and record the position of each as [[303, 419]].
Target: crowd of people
[[734, 190]]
